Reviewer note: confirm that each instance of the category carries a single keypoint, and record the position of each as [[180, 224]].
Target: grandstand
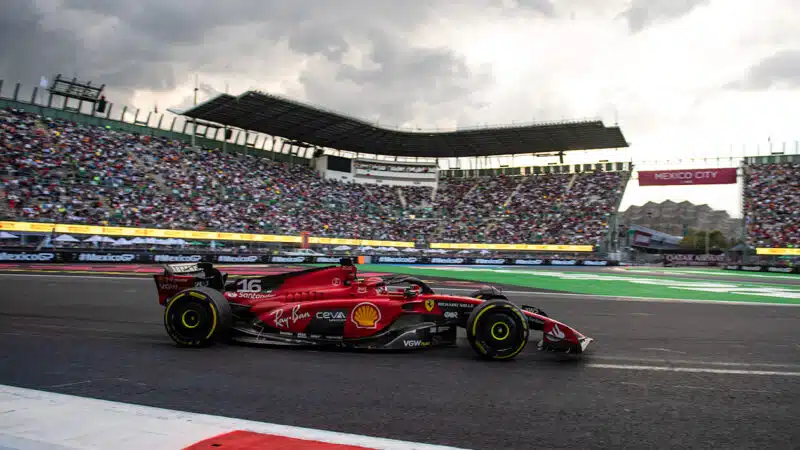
[[85, 168], [772, 201]]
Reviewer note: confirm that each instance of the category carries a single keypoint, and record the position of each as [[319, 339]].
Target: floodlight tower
[[77, 90]]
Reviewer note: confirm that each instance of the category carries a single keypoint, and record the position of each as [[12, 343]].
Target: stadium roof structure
[[276, 116]]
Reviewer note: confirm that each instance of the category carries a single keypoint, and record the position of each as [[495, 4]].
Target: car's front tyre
[[197, 317], [497, 330]]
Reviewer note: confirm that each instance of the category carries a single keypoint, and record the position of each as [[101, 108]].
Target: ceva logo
[[332, 316]]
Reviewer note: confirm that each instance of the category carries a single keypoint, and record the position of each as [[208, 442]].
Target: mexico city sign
[[688, 176]]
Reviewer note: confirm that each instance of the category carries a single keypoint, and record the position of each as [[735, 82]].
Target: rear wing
[[177, 277], [204, 273], [207, 267], [188, 268]]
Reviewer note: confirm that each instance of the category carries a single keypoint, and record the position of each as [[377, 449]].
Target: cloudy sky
[[685, 78]]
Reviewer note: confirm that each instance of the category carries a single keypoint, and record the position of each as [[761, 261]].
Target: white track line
[[70, 422], [670, 362], [693, 370]]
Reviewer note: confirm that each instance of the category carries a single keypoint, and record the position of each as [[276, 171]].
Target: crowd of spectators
[[544, 209], [418, 200], [67, 172], [772, 204], [54, 170]]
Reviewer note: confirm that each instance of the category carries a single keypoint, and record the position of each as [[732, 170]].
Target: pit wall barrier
[[762, 268], [132, 257]]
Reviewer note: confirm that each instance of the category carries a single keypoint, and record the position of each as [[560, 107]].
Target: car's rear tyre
[[497, 330], [197, 317]]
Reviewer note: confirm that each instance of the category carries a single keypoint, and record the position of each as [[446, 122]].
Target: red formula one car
[[332, 306]]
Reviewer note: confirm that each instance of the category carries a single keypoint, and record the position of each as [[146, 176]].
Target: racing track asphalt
[[103, 338]]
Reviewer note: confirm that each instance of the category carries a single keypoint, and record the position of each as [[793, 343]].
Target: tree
[[695, 240]]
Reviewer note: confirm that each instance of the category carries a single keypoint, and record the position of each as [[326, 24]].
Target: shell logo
[[366, 315]]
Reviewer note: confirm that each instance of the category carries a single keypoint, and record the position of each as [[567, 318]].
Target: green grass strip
[[624, 284]]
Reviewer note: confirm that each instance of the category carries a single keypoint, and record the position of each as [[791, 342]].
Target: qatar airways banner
[[693, 260], [689, 176]]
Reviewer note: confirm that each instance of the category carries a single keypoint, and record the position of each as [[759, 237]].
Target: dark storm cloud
[[780, 70], [406, 80], [157, 44], [642, 13], [41, 43], [28, 51]]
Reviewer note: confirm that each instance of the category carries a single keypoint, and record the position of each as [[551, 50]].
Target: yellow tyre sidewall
[[182, 299], [523, 321]]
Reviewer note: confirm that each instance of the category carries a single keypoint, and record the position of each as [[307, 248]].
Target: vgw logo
[[416, 343]]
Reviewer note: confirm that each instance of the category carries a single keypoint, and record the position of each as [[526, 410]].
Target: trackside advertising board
[[762, 268], [454, 261], [687, 176], [134, 257], [523, 247], [694, 260]]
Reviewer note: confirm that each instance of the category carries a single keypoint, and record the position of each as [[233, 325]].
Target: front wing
[[556, 337]]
